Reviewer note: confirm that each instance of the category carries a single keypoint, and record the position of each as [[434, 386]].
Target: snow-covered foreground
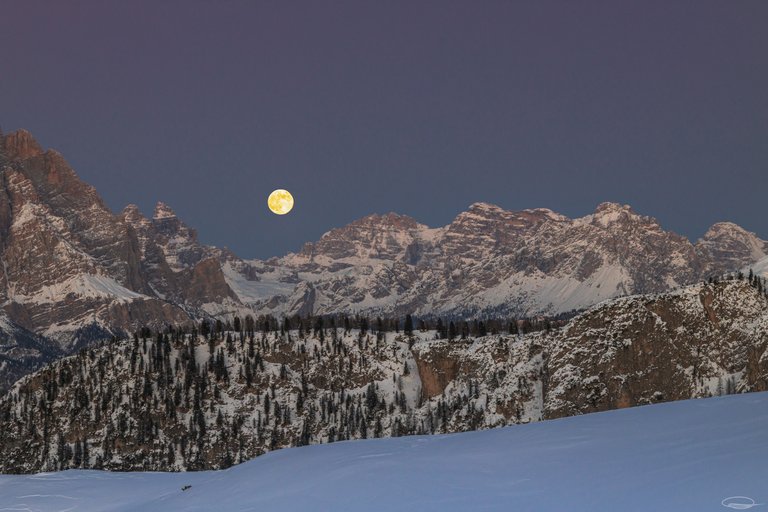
[[683, 456]]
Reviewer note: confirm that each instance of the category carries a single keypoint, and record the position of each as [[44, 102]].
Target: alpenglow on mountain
[[73, 271]]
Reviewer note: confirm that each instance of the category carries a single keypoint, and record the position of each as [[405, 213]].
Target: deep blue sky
[[416, 107]]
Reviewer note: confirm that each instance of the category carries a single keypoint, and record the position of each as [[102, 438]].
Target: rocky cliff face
[[706, 339], [75, 272], [68, 262], [177, 402], [175, 265]]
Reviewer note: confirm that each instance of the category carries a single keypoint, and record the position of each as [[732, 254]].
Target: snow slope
[[681, 456], [760, 268]]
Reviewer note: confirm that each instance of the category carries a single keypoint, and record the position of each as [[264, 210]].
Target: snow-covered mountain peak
[[732, 245], [608, 214], [486, 207], [373, 236], [546, 212], [732, 230], [611, 206], [479, 215]]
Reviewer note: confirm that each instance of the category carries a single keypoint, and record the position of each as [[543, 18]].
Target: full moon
[[280, 201]]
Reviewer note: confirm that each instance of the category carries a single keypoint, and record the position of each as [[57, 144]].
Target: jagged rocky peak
[[168, 224], [730, 231], [390, 221], [545, 213], [480, 215], [47, 169], [611, 206], [482, 211], [132, 210], [486, 208], [163, 211], [71, 264], [375, 236], [730, 246], [20, 145], [610, 214], [133, 216], [50, 176], [494, 211], [477, 216], [485, 224]]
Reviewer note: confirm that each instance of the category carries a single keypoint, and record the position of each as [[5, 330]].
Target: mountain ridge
[[177, 401], [76, 272]]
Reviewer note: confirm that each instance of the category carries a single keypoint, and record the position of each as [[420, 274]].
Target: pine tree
[[441, 332], [78, 458]]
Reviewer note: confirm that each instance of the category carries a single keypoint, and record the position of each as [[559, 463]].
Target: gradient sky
[[416, 107]]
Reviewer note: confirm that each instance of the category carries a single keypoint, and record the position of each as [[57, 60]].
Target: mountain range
[[74, 272]]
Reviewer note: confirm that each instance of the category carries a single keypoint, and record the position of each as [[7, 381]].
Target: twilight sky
[[416, 107]]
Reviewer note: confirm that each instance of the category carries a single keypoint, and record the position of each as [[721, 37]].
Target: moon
[[280, 201]]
